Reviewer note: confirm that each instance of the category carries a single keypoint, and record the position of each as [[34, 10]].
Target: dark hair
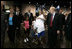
[[37, 14], [3, 9], [26, 15], [17, 7], [61, 8], [11, 8]]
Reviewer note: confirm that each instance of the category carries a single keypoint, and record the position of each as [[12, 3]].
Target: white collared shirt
[[40, 24], [53, 16], [16, 13]]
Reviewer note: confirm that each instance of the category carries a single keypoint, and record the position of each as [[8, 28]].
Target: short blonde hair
[[53, 8]]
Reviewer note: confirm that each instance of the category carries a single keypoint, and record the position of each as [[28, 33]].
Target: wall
[[26, 7]]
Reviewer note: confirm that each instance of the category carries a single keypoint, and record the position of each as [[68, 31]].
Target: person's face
[[60, 11], [11, 10], [51, 10], [40, 12], [17, 9]]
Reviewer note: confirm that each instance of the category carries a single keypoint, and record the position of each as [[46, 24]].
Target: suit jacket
[[14, 20], [56, 23], [62, 21], [3, 23], [63, 18], [68, 23], [19, 19], [68, 27]]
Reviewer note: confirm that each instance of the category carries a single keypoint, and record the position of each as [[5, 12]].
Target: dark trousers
[[68, 38], [18, 32], [68, 35], [11, 33], [2, 38], [27, 32], [61, 36], [52, 38]]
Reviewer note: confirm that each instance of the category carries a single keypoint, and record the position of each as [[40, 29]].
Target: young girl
[[26, 27]]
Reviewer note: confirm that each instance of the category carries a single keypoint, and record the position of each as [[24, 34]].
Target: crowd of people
[[58, 24]]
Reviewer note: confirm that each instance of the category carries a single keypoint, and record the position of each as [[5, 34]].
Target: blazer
[[56, 23], [14, 20]]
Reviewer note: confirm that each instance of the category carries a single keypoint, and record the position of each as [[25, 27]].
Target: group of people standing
[[55, 23]]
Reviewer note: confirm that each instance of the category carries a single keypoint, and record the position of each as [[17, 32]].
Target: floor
[[19, 43]]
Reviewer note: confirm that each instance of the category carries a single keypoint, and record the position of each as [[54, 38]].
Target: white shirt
[[53, 16], [16, 13], [39, 24]]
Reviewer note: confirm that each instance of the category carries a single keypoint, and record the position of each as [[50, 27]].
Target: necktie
[[51, 21]]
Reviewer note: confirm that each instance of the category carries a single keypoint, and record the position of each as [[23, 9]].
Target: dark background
[[62, 3]]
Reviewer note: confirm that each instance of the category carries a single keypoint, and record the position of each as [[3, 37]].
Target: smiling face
[[17, 9], [52, 10], [61, 10], [11, 10]]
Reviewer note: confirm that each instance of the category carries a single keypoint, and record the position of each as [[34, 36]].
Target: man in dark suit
[[18, 22], [68, 31], [30, 17], [3, 25], [54, 27], [63, 23]]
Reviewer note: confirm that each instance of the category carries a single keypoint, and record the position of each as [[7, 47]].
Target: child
[[26, 27]]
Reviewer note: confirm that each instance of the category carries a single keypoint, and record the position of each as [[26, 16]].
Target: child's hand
[[22, 23], [25, 28]]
